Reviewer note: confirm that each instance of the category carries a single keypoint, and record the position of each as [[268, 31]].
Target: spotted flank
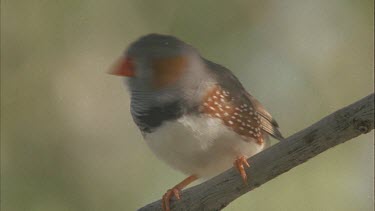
[[240, 117]]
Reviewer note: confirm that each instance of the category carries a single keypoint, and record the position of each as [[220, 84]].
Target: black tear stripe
[[150, 119]]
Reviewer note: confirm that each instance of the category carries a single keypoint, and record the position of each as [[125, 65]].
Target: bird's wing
[[268, 123], [240, 98]]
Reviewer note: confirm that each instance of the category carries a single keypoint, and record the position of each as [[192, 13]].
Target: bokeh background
[[69, 143]]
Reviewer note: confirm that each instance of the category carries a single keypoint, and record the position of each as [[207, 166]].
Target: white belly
[[199, 145]]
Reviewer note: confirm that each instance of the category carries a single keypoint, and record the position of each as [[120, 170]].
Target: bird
[[194, 114]]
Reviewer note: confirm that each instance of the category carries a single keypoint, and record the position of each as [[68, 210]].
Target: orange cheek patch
[[168, 70]]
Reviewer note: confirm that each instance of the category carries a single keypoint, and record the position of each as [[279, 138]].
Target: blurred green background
[[69, 143]]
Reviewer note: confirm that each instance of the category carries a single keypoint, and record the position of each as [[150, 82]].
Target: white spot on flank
[[230, 122], [212, 108], [226, 114], [217, 114]]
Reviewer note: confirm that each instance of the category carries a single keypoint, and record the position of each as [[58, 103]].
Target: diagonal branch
[[336, 128]]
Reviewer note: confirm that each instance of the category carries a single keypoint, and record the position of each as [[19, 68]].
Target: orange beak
[[123, 67]]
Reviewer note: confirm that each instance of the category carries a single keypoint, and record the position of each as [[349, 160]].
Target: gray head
[[160, 69]]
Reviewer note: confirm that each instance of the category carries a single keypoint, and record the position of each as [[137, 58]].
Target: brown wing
[[242, 118], [268, 123], [241, 103]]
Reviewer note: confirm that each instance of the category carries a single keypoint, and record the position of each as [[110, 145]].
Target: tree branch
[[336, 128]]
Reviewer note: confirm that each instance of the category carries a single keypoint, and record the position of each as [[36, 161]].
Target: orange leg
[[175, 191], [239, 165]]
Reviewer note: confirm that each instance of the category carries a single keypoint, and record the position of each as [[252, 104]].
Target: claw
[[167, 197], [239, 164], [175, 191]]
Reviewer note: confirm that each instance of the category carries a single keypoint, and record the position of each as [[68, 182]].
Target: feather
[[229, 82]]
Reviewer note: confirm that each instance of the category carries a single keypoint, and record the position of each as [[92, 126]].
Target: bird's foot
[[175, 191], [239, 165], [167, 197]]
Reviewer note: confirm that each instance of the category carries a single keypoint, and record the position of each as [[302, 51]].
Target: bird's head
[[160, 70], [157, 62]]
